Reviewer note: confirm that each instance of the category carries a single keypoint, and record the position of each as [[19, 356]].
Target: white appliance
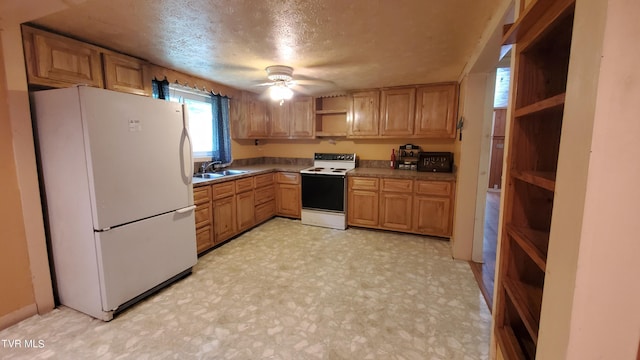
[[324, 189], [116, 170]]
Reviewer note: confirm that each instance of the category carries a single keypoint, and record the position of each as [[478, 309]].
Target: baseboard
[[17, 316]]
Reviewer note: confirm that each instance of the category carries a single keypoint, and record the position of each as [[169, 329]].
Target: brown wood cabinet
[[432, 207], [57, 61], [543, 36], [396, 199], [417, 206], [245, 204], [363, 201], [126, 74], [288, 194], [436, 111], [364, 110], [204, 218], [419, 111], [397, 111], [248, 117], [224, 210], [265, 198], [293, 119]]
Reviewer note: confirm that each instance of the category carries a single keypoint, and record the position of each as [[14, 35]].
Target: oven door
[[323, 192]]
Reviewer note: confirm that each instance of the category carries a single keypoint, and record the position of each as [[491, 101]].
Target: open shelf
[[543, 179], [507, 340], [539, 15], [331, 116], [533, 242], [553, 102], [525, 298]]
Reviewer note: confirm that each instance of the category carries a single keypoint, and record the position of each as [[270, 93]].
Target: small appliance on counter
[[408, 157], [435, 162]]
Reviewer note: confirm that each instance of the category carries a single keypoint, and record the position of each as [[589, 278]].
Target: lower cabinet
[[203, 215], [245, 209], [265, 198], [406, 205], [224, 218], [288, 194], [395, 204]]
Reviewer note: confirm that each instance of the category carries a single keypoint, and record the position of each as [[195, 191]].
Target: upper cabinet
[[436, 111], [397, 111], [362, 120], [248, 118], [57, 61], [293, 119], [126, 74], [424, 111]]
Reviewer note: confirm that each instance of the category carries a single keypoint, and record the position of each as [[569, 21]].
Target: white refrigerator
[[117, 171]]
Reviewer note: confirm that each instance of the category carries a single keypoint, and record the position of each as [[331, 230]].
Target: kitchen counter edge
[[251, 170], [402, 174]]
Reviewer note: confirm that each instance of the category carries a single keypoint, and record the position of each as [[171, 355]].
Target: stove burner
[[317, 169], [339, 170]]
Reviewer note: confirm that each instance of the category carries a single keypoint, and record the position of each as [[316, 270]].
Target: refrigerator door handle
[[186, 210], [185, 134]]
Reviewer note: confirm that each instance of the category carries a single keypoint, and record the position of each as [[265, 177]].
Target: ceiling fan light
[[279, 73], [280, 92]]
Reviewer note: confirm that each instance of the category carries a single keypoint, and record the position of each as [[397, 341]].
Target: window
[[208, 122]]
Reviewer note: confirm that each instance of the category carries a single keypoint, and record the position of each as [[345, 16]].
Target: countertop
[[401, 174], [253, 170]]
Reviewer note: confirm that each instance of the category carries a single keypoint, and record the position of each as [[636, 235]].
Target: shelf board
[[543, 179], [537, 17], [331, 112], [533, 242], [330, 134], [542, 105], [509, 343], [525, 299]]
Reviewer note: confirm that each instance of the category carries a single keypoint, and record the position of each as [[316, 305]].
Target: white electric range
[[324, 190]]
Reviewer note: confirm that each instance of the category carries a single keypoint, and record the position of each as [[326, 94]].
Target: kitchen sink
[[218, 174], [208, 176], [231, 172]]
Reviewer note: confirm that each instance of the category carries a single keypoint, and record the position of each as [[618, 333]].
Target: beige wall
[[365, 149], [15, 275], [605, 318]]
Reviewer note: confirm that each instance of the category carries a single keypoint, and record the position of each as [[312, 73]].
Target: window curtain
[[221, 134], [160, 89]]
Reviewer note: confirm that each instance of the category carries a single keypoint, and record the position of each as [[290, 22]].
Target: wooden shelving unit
[[331, 116], [542, 36]]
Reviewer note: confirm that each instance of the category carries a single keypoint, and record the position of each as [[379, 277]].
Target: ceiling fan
[[281, 77]]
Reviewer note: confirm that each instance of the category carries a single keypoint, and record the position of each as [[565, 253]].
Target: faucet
[[205, 165]]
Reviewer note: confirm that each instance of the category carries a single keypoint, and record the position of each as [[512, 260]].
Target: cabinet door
[[432, 215], [302, 118], [397, 111], [224, 214], [436, 111], [395, 211], [256, 117], [288, 200], [362, 208], [363, 114], [204, 239], [245, 206], [265, 211], [126, 74], [279, 118], [57, 61]]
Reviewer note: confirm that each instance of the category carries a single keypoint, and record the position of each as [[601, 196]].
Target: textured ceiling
[[342, 44]]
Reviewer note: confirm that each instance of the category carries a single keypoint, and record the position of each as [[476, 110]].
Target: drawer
[[437, 188], [265, 211], [223, 190], [397, 185], [244, 185], [204, 238], [265, 194], [201, 194], [263, 180], [363, 183], [287, 178], [203, 215]]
